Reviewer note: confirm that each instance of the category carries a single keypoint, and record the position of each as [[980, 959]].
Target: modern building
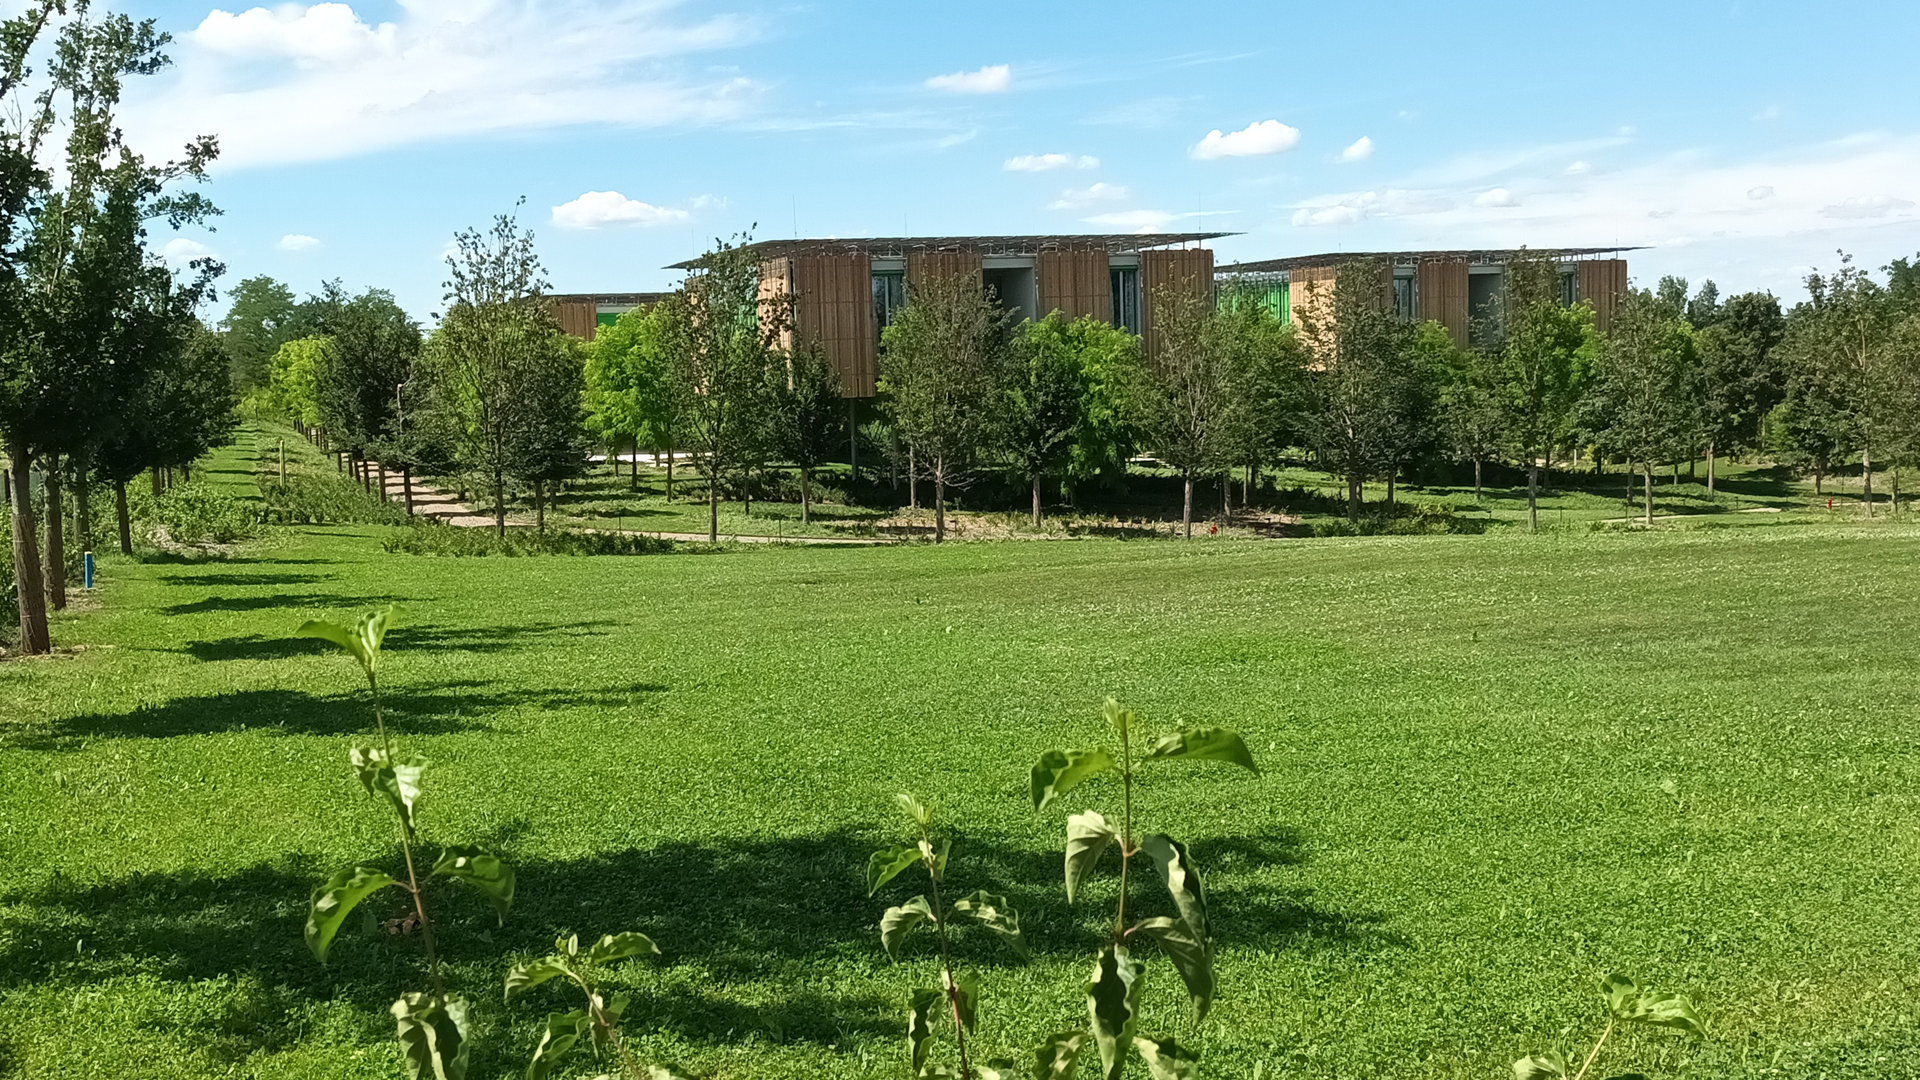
[[582, 314], [1454, 288], [846, 291]]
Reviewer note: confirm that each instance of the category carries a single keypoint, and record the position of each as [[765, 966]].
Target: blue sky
[[1745, 142]]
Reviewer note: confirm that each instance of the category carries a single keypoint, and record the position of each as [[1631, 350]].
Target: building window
[[889, 296], [1405, 300], [1569, 287], [1486, 310], [1126, 297]]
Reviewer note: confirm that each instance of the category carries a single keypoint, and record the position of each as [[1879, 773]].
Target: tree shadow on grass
[[241, 579], [480, 639], [746, 920], [299, 601]]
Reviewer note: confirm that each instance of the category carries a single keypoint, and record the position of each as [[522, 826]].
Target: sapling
[[960, 992], [1627, 1003], [431, 1026], [1185, 938], [597, 1024]]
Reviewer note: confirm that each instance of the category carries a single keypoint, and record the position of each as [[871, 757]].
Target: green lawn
[[1496, 768]]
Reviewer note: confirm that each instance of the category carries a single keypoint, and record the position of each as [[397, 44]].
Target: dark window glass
[[1126, 297], [889, 296], [1403, 298], [1569, 287]]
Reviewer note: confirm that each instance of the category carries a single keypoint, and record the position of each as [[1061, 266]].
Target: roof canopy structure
[[630, 299], [901, 246], [1483, 256]]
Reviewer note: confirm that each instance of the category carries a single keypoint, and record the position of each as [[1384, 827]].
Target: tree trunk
[[1817, 479], [1866, 480], [540, 505], [56, 537], [913, 481], [406, 486], [1186, 503], [26, 561], [1392, 475], [155, 472], [939, 507], [669, 472], [1533, 493], [125, 520], [1709, 468], [853, 444], [499, 505], [1226, 494], [83, 508], [713, 507], [1036, 500], [633, 467], [1648, 473], [806, 494], [1246, 490], [1353, 497], [1476, 479]]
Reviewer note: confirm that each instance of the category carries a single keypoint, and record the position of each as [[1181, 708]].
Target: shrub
[[9, 593], [1420, 519], [197, 513], [309, 498], [435, 538]]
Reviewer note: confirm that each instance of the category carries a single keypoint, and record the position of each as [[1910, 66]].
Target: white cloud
[[607, 209], [1361, 150], [992, 79], [1147, 221], [1872, 207], [293, 84], [1496, 197], [1075, 198], [1049, 162], [180, 251], [1337, 214], [1579, 168], [1262, 137], [1762, 191], [955, 139], [297, 242], [1353, 208]]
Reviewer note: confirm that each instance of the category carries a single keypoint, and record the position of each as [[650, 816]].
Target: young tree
[[806, 414], [629, 396], [546, 436], [293, 379], [944, 357], [1544, 347], [258, 321], [1108, 357], [374, 345], [721, 339], [1043, 401], [1737, 378], [1363, 393], [1643, 392], [1271, 363], [1839, 344], [496, 322], [1472, 408]]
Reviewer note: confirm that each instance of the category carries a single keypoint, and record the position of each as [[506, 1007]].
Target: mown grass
[[1496, 768]]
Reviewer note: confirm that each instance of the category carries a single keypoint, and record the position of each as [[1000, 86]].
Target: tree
[[1642, 396], [942, 364], [629, 396], [496, 323], [1737, 379], [805, 411], [1043, 401], [721, 338], [374, 345], [72, 251], [181, 408], [1471, 406], [1108, 356], [259, 320], [293, 379], [1543, 350], [1270, 363], [1839, 345], [1363, 395], [546, 436]]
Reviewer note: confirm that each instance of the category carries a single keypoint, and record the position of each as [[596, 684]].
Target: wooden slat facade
[[1169, 268], [1310, 302], [833, 306], [577, 318], [1442, 287], [1075, 283], [1602, 283], [923, 265]]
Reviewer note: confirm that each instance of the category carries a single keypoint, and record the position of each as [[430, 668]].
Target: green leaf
[[563, 1032], [1000, 1068], [898, 920], [887, 863], [481, 869], [993, 913], [920, 1014], [616, 947], [396, 781], [524, 977], [1190, 957], [1551, 1065], [664, 1072], [966, 995], [1088, 836], [433, 1036], [1630, 1004], [1059, 772], [915, 809], [1055, 1058], [939, 1072], [1182, 880], [1113, 1005], [1205, 744], [1167, 1060], [1122, 720], [363, 639], [334, 900]]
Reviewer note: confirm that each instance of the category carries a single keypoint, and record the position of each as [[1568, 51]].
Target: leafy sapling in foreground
[[1627, 1004], [961, 993], [432, 1026], [1185, 938], [596, 1025]]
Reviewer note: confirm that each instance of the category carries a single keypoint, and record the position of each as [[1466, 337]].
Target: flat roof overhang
[[1483, 255], [896, 247]]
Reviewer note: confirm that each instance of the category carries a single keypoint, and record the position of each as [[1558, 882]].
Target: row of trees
[[105, 370]]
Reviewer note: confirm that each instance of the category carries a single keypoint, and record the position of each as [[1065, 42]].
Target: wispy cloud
[[1261, 137], [293, 83], [993, 79], [298, 242], [180, 251], [610, 209], [1147, 221], [1050, 162], [1077, 198], [1360, 150]]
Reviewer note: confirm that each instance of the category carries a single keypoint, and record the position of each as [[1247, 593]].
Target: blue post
[[86, 563]]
